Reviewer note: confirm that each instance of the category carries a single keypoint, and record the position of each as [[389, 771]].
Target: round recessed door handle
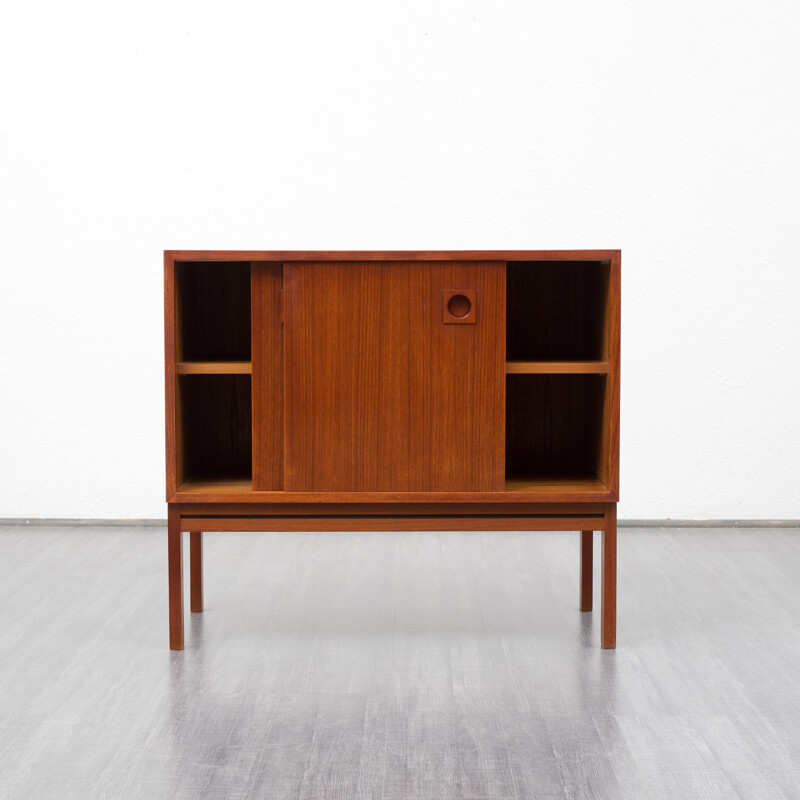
[[458, 306]]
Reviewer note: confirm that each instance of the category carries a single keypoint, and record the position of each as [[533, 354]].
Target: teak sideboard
[[386, 391]]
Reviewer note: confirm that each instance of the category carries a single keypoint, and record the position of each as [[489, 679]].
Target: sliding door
[[394, 376]]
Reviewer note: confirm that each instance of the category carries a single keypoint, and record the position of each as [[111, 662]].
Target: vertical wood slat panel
[[381, 395], [347, 399], [266, 282], [457, 433]]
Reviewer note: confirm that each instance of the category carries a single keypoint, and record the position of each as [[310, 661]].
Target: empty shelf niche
[[556, 310], [554, 427], [216, 427], [213, 311]]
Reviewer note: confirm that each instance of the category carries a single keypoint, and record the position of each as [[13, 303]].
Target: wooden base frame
[[190, 518]]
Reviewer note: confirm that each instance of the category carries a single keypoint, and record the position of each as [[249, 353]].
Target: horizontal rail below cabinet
[[556, 367], [404, 523], [215, 368], [390, 509]]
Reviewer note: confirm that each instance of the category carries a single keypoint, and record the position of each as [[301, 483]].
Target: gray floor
[[399, 665]]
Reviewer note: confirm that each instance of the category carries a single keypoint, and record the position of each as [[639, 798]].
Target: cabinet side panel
[[347, 403], [171, 405], [267, 356], [612, 398], [458, 380]]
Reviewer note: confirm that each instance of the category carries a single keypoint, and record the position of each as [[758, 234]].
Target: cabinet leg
[[587, 569], [608, 618], [196, 571], [175, 565]]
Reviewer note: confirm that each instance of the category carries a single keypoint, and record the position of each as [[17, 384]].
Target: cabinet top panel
[[392, 255]]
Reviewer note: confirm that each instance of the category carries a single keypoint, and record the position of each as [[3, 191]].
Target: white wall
[[670, 130]]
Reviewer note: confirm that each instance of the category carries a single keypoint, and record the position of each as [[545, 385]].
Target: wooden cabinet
[[392, 391]]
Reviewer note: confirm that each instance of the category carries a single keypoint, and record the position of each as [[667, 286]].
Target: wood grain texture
[[556, 310], [214, 310], [554, 426], [366, 393], [608, 619], [587, 570], [611, 408], [268, 367], [214, 368], [570, 487], [182, 487], [172, 422], [391, 255], [347, 396], [207, 314], [175, 576], [456, 385], [459, 307], [196, 571], [393, 509], [216, 426], [560, 314], [521, 490], [406, 522], [380, 394], [207, 487], [555, 367]]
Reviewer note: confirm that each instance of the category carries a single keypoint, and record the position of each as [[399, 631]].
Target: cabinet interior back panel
[[214, 311], [380, 393]]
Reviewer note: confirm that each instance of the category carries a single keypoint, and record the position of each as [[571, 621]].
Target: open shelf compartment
[[215, 429], [557, 311], [213, 312], [555, 434]]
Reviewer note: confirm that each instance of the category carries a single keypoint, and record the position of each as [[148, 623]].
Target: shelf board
[[217, 485], [215, 368], [538, 490], [512, 485], [555, 367], [555, 485]]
